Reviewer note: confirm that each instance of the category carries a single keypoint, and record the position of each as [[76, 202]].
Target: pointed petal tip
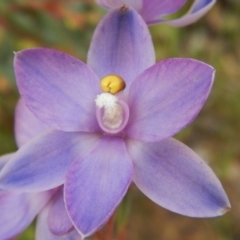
[[16, 53], [225, 210]]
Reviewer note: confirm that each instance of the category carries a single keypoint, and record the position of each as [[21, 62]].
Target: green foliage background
[[215, 134]]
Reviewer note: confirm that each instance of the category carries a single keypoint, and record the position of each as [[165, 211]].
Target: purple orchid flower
[[154, 11], [19, 209], [99, 141]]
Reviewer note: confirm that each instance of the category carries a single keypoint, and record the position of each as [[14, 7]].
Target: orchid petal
[[4, 159], [18, 210], [167, 97], [176, 178], [43, 232], [96, 184], [136, 4], [197, 11], [58, 219], [43, 163], [27, 126], [59, 89], [155, 8], [121, 45]]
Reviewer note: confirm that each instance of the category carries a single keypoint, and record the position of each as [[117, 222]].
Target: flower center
[[112, 111], [112, 84]]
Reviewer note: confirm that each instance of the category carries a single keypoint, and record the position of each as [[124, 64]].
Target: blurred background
[[215, 134]]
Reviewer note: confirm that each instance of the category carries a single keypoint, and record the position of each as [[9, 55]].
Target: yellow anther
[[112, 84]]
